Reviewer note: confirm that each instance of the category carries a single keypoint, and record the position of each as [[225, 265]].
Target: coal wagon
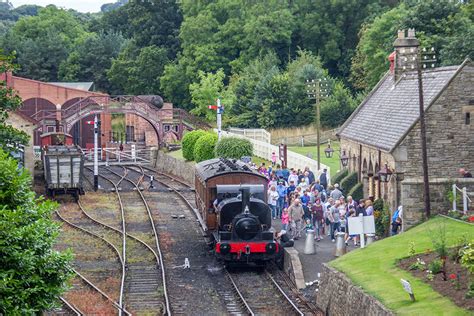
[[63, 167]]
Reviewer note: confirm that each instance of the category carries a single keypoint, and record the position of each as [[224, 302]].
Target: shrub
[[189, 142], [382, 218], [339, 176], [435, 266], [349, 181], [233, 147], [357, 192], [438, 239], [204, 148], [467, 257], [418, 265]]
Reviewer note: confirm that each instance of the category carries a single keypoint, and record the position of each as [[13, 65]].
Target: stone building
[[24, 123], [385, 129]]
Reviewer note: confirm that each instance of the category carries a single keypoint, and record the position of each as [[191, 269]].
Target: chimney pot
[[401, 34], [411, 33]]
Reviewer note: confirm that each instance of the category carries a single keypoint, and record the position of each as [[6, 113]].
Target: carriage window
[[468, 118]]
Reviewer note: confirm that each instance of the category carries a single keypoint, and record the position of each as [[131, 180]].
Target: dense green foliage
[[233, 147], [32, 274], [9, 101], [189, 143], [256, 56], [204, 148], [349, 181], [357, 192], [337, 177], [382, 218]]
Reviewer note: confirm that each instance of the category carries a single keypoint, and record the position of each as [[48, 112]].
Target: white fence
[[264, 150], [465, 198], [253, 133]]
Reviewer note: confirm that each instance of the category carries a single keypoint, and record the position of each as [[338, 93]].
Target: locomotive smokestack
[[245, 199]]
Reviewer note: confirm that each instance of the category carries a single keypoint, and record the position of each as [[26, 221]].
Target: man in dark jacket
[[323, 179]]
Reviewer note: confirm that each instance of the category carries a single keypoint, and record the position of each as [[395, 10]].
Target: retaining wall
[[339, 296], [176, 167]]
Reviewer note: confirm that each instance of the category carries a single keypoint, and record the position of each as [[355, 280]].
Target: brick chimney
[[406, 53]]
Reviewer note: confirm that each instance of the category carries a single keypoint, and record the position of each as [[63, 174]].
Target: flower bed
[[458, 280]]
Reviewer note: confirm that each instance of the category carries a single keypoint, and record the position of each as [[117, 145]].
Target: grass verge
[[310, 151], [375, 270]]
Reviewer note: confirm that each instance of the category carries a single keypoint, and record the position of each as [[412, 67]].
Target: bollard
[[309, 243], [370, 238], [340, 245]]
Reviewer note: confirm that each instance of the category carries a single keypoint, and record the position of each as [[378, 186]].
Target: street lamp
[[344, 159], [329, 151], [316, 90], [385, 174]]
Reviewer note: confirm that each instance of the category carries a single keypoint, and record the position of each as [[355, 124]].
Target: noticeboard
[[361, 225]]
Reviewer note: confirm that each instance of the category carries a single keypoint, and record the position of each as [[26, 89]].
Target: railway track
[[144, 288], [90, 287], [66, 309]]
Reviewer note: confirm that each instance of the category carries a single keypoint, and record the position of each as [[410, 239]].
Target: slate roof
[[86, 86], [389, 112]]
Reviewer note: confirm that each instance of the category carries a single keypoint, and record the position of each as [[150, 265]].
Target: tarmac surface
[[312, 264]]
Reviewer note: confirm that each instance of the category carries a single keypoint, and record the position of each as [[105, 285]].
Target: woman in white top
[[272, 198]]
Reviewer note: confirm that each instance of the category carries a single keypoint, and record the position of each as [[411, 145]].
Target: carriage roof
[[215, 167]]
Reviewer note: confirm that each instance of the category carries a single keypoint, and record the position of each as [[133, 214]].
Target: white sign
[[406, 286], [133, 151], [361, 225]]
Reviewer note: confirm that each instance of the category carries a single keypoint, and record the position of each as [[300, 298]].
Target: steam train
[[231, 200]]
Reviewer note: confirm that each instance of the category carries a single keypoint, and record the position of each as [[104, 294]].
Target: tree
[[91, 58], [9, 101], [206, 91], [32, 274], [138, 71], [43, 42], [338, 106]]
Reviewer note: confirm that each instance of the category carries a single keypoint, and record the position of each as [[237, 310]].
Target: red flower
[[471, 218], [452, 276]]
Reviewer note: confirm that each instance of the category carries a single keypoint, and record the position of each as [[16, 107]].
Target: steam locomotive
[[231, 200]]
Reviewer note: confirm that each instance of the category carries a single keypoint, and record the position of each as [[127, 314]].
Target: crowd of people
[[303, 202]]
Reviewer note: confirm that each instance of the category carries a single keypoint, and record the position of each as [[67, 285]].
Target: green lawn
[[374, 269], [333, 163]]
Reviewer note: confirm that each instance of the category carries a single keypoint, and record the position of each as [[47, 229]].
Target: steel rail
[[239, 294], [120, 308], [198, 216], [288, 299], [71, 307], [124, 238], [160, 254]]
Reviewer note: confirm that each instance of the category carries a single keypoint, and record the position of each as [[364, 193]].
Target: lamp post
[[385, 174], [316, 90]]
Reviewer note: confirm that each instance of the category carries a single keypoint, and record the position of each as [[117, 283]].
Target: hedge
[[233, 147], [349, 181], [356, 192], [188, 143], [204, 148], [339, 176]]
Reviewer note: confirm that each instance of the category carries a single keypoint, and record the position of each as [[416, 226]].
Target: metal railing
[[465, 198], [110, 156]]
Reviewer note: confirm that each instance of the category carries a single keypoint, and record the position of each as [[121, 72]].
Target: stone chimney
[[406, 53]]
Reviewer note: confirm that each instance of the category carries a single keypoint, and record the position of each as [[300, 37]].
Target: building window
[[468, 118]]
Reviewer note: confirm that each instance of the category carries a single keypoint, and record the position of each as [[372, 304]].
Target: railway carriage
[[63, 164], [231, 200]]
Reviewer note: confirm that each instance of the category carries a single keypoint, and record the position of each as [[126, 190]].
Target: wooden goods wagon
[[211, 173], [63, 170], [56, 138]]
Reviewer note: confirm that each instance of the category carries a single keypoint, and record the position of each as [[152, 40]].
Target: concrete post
[[309, 243], [370, 238], [464, 200], [340, 245], [454, 197]]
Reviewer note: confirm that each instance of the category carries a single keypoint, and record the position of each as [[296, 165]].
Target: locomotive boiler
[[231, 199]]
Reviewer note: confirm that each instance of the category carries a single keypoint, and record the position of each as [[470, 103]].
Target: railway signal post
[[219, 108], [96, 154]]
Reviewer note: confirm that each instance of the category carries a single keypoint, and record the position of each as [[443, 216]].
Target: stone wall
[[292, 267], [450, 141], [176, 167], [24, 124], [338, 296], [412, 197]]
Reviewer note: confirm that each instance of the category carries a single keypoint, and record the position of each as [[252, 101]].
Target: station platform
[[312, 264]]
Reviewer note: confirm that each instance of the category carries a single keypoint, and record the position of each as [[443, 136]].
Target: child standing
[[285, 219], [274, 159]]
